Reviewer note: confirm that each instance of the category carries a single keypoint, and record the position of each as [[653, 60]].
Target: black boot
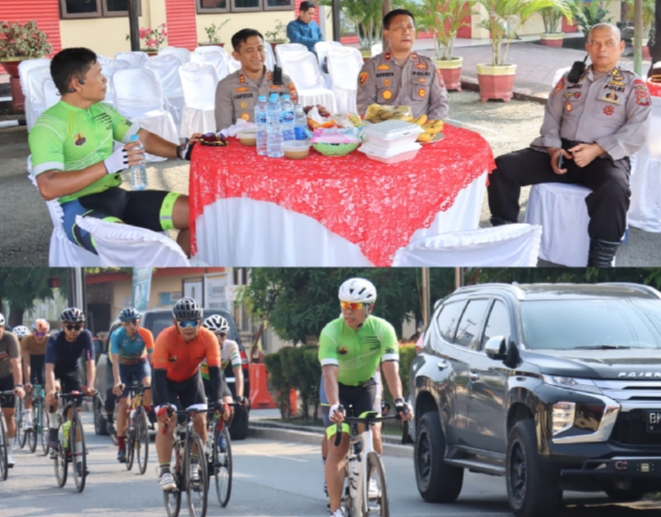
[[602, 252]]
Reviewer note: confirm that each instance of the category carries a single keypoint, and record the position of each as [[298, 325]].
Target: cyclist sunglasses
[[77, 326], [188, 324], [354, 306], [132, 322], [36, 333]]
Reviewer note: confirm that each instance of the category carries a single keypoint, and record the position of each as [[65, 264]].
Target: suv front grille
[[631, 429]]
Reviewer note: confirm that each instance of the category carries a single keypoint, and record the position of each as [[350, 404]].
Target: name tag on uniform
[[609, 96]]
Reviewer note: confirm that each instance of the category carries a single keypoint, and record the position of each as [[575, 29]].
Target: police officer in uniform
[[236, 94], [594, 125], [400, 77]]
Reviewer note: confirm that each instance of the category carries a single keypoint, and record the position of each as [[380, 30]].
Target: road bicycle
[[71, 448], [363, 464], [39, 421], [137, 431], [188, 455], [4, 440]]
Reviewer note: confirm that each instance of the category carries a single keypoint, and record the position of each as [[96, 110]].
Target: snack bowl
[[296, 149], [248, 137], [335, 149]]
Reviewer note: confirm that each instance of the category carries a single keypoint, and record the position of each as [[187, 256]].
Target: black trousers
[[608, 179]]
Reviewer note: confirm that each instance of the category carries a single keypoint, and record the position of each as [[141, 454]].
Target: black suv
[[554, 386]]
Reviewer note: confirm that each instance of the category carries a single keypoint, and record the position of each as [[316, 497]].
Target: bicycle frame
[[359, 501]]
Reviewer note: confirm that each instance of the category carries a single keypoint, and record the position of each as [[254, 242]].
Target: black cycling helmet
[[186, 309], [129, 314], [72, 315]]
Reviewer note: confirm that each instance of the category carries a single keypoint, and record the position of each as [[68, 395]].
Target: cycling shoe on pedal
[[121, 456], [53, 442], [166, 482]]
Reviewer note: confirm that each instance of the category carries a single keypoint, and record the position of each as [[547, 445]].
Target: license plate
[[654, 421]]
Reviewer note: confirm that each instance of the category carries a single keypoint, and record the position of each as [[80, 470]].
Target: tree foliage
[[21, 287]]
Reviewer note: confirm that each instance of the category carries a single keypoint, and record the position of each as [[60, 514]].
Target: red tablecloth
[[376, 206], [655, 88]]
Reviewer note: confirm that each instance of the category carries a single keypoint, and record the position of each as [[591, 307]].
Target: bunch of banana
[[431, 127]]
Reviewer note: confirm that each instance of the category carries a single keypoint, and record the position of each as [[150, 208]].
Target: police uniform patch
[[242, 89], [439, 76], [421, 66], [244, 105], [362, 78], [386, 82], [414, 56], [387, 94], [422, 93], [245, 116], [79, 139], [642, 93], [387, 56], [558, 87], [383, 67], [293, 94], [577, 95], [609, 110], [269, 76], [242, 78], [611, 97], [422, 80], [569, 107]]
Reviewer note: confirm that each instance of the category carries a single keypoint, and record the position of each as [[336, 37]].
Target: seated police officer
[[592, 126], [236, 94], [401, 77], [74, 160]]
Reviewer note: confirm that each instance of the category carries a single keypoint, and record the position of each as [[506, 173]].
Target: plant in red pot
[[551, 16], [18, 43], [444, 19], [213, 33], [504, 18]]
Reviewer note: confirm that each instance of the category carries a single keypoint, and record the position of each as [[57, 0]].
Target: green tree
[[21, 287]]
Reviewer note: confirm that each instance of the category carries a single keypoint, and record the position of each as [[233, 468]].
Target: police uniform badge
[[387, 94], [362, 78]]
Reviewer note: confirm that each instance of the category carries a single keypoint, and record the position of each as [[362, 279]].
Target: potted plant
[[278, 35], [213, 33], [20, 42], [366, 17], [503, 18], [590, 14], [648, 20], [443, 19], [551, 16], [153, 38]]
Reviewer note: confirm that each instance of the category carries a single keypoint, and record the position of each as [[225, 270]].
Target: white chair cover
[[138, 96], [166, 68], [233, 65], [512, 245], [303, 68], [51, 94], [62, 252], [182, 53], [108, 70], [198, 82], [35, 102], [376, 49], [558, 74], [212, 54], [270, 56], [289, 48], [24, 69], [134, 59], [344, 65], [128, 246], [322, 48]]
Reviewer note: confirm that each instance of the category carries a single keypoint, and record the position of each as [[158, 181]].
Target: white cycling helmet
[[2, 320], [217, 323], [21, 331], [357, 290]]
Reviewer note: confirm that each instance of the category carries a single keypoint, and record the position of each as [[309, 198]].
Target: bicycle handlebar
[[371, 418]]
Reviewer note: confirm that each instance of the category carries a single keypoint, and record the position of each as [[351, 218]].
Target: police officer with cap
[[236, 94], [401, 77], [592, 124]]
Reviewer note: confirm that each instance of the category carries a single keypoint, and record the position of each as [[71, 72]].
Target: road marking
[[466, 124], [272, 455]]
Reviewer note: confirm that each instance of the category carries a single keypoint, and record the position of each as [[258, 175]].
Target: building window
[[95, 8], [238, 6]]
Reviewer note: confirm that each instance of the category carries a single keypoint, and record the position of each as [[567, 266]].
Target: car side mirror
[[496, 348]]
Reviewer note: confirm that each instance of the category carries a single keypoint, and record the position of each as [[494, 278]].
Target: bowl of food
[[248, 137], [296, 149], [330, 149]]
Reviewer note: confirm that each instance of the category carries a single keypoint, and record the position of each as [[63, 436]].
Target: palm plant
[[504, 17], [443, 18], [551, 17], [591, 14]]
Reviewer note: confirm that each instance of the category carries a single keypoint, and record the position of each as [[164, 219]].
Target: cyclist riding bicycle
[[33, 351], [178, 352], [131, 348], [63, 351], [229, 353], [351, 348], [11, 379]]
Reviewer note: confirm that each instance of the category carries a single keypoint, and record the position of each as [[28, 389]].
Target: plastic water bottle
[[222, 443], [274, 141], [262, 126], [138, 173], [301, 123], [288, 118]]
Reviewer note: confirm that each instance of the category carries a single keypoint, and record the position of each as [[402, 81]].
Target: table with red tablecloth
[[250, 210], [655, 88]]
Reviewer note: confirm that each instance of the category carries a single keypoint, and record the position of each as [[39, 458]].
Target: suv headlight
[[562, 416], [572, 383]]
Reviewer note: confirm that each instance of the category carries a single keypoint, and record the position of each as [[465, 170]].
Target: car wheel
[[618, 494], [437, 482], [100, 425], [531, 491], [239, 426]]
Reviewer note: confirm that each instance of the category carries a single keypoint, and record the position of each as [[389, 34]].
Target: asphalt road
[[271, 478], [25, 226]]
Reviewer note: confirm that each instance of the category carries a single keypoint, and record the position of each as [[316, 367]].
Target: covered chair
[[139, 97], [24, 71], [214, 55], [198, 82], [51, 94], [512, 245], [270, 56], [182, 53], [134, 59], [344, 65], [376, 49], [233, 65], [166, 68], [289, 48], [35, 103], [129, 246], [108, 69], [303, 69], [321, 48]]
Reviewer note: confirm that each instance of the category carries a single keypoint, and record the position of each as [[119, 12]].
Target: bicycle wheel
[[197, 490], [129, 443], [4, 469], [173, 499], [78, 452], [222, 466], [142, 439], [113, 435], [377, 501], [61, 464], [19, 439], [44, 427]]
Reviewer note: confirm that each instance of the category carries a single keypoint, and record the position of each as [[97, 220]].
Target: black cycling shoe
[[121, 455], [79, 470], [110, 428], [53, 441]]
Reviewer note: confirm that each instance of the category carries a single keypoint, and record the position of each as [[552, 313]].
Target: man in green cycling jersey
[[351, 348], [74, 162]]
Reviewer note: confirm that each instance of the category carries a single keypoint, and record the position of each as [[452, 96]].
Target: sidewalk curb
[[314, 438]]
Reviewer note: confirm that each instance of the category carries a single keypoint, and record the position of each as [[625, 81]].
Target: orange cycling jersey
[[182, 359]]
